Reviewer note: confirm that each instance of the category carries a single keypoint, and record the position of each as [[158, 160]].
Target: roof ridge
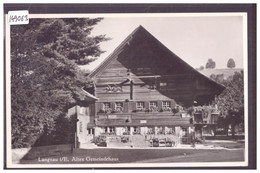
[[128, 38]]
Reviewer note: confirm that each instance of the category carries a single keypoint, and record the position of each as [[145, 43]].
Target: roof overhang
[[88, 96]]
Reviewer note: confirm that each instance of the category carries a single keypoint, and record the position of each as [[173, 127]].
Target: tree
[[231, 101], [231, 63], [211, 64], [200, 68], [219, 78], [45, 77]]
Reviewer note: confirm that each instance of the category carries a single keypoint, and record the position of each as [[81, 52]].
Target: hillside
[[227, 71]]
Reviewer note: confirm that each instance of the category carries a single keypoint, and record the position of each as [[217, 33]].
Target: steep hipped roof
[[141, 29]]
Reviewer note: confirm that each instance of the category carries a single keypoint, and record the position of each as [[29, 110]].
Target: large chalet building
[[142, 88]]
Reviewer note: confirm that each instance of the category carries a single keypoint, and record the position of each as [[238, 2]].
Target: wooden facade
[[140, 85]]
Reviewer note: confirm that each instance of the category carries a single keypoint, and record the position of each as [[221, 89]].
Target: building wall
[[113, 85], [144, 70], [83, 117]]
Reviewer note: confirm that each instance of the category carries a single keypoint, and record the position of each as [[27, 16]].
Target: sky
[[193, 39]]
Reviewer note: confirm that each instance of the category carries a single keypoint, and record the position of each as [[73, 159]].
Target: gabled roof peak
[[110, 57], [125, 42], [140, 26]]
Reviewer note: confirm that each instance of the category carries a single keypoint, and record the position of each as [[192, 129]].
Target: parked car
[[102, 144], [168, 144], [101, 141], [198, 140], [124, 139], [155, 142], [162, 143]]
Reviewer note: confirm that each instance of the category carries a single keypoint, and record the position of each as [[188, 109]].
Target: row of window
[[139, 105], [107, 105], [153, 104], [150, 130], [108, 129], [112, 129], [162, 86]]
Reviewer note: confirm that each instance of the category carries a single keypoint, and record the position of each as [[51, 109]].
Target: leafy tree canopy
[[45, 77], [210, 64], [231, 101], [231, 63], [200, 68]]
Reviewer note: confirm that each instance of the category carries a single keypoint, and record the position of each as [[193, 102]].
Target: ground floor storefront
[[142, 130], [138, 136]]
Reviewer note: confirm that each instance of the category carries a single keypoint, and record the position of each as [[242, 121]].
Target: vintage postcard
[[126, 90]]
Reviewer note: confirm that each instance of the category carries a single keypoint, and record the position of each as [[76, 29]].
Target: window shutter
[[98, 107], [113, 105], [173, 104], [125, 106], [146, 104], [159, 105], [133, 106]]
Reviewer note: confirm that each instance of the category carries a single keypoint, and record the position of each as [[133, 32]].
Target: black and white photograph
[[127, 90]]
